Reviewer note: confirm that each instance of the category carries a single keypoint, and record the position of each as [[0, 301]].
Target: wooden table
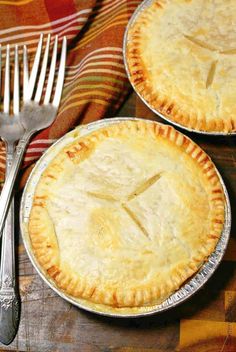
[[206, 323]]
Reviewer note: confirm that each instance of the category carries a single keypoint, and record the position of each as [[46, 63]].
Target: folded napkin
[[95, 83]]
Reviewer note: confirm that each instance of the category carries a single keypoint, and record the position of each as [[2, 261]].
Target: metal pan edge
[[181, 295], [136, 13]]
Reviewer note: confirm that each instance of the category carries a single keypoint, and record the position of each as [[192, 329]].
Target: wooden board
[[206, 323]]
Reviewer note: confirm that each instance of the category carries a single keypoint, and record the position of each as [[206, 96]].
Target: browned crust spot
[[199, 154], [170, 108], [217, 191], [50, 176], [114, 298], [218, 221], [93, 291], [53, 270], [41, 197], [80, 152], [205, 171], [204, 161], [216, 199], [39, 204], [157, 4], [213, 176]]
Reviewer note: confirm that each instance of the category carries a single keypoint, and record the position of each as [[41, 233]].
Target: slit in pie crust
[[125, 215], [181, 57]]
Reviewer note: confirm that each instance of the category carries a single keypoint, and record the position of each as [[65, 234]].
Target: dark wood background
[[206, 323]]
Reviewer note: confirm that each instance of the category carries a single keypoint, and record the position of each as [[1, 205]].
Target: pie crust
[[181, 57], [125, 215]]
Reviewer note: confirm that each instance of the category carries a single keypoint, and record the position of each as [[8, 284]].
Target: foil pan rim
[[136, 13], [192, 286]]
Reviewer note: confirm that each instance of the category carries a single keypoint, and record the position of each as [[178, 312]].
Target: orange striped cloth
[[95, 81]]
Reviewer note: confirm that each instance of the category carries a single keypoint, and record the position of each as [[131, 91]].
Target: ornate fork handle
[[10, 181], [9, 298]]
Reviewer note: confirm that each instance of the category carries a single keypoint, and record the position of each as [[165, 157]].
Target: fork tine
[[33, 75], [25, 72], [16, 98], [51, 72], [61, 74], [43, 71], [6, 101]]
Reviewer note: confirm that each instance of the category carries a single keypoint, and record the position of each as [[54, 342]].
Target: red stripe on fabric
[[58, 9], [41, 135]]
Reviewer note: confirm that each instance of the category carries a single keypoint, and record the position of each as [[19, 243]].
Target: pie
[[126, 214], [181, 57]]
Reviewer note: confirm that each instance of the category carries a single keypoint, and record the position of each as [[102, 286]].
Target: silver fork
[[10, 132], [34, 116]]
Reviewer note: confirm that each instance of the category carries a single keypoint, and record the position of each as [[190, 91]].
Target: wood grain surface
[[206, 323]]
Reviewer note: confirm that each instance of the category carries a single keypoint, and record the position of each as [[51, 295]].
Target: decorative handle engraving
[[9, 311], [7, 301], [9, 316], [7, 283]]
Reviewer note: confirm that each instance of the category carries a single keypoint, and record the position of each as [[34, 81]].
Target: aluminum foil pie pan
[[140, 8], [185, 292]]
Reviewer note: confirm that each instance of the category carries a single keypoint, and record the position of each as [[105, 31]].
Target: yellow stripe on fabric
[[81, 65], [104, 63], [15, 3], [123, 9], [84, 101], [90, 86], [90, 55], [124, 22], [32, 49], [67, 28], [45, 25], [100, 70], [90, 93], [114, 9], [96, 65], [107, 2], [101, 86], [120, 6], [95, 80], [95, 30]]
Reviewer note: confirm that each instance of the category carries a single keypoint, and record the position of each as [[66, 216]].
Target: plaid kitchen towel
[[95, 81]]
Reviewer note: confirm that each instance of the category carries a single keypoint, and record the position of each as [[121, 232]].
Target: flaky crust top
[[182, 62], [126, 214]]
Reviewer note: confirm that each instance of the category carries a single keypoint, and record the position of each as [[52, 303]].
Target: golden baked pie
[[124, 215], [181, 57]]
